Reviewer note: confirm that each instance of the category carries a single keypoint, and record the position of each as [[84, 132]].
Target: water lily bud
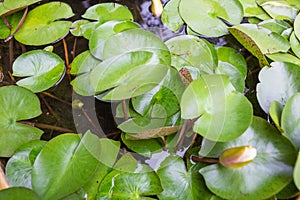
[[156, 8], [237, 157]]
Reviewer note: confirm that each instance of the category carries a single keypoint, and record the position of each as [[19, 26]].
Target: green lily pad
[[287, 83], [205, 16], [280, 10], [43, 25], [290, 120], [284, 57], [251, 9], [14, 193], [128, 75], [76, 29], [19, 166], [180, 183], [17, 103], [295, 44], [65, 164], [259, 40], [273, 165], [232, 63], [136, 40], [13, 20], [170, 16], [276, 26], [135, 181], [41, 68], [275, 113], [81, 66], [108, 11], [297, 172], [297, 26], [104, 32], [188, 50], [224, 114], [8, 7]]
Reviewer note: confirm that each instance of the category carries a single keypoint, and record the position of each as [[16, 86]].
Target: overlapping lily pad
[[19, 166], [170, 16], [18, 193], [65, 164], [41, 69], [287, 83], [131, 180], [128, 75], [273, 165], [81, 66], [17, 104], [223, 113], [10, 6], [204, 16], [43, 25]]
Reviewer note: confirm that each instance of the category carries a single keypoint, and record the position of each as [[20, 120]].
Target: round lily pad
[[43, 25], [17, 104], [287, 76], [223, 113], [41, 69], [170, 16], [269, 172], [205, 16]]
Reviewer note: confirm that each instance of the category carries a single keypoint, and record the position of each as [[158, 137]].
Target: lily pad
[[76, 29], [65, 164], [251, 9], [297, 26], [287, 83], [128, 75], [104, 32], [17, 104], [108, 11], [280, 10], [259, 40], [170, 16], [81, 66], [136, 40], [135, 181], [41, 68], [224, 114], [188, 50], [205, 16], [290, 120], [295, 44], [232, 63], [43, 25], [284, 57], [297, 172], [8, 7], [273, 165], [18, 193], [19, 166], [275, 113], [180, 183]]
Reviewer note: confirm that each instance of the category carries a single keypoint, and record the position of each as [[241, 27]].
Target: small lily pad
[[41, 68], [205, 16], [287, 76], [43, 25], [81, 66], [170, 16], [290, 120], [280, 10], [17, 104], [223, 113], [19, 166], [273, 165], [108, 11]]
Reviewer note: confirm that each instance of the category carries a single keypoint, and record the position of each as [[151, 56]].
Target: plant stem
[[3, 181], [19, 25], [67, 58], [50, 109], [47, 126], [124, 107], [74, 48], [201, 159], [56, 98]]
